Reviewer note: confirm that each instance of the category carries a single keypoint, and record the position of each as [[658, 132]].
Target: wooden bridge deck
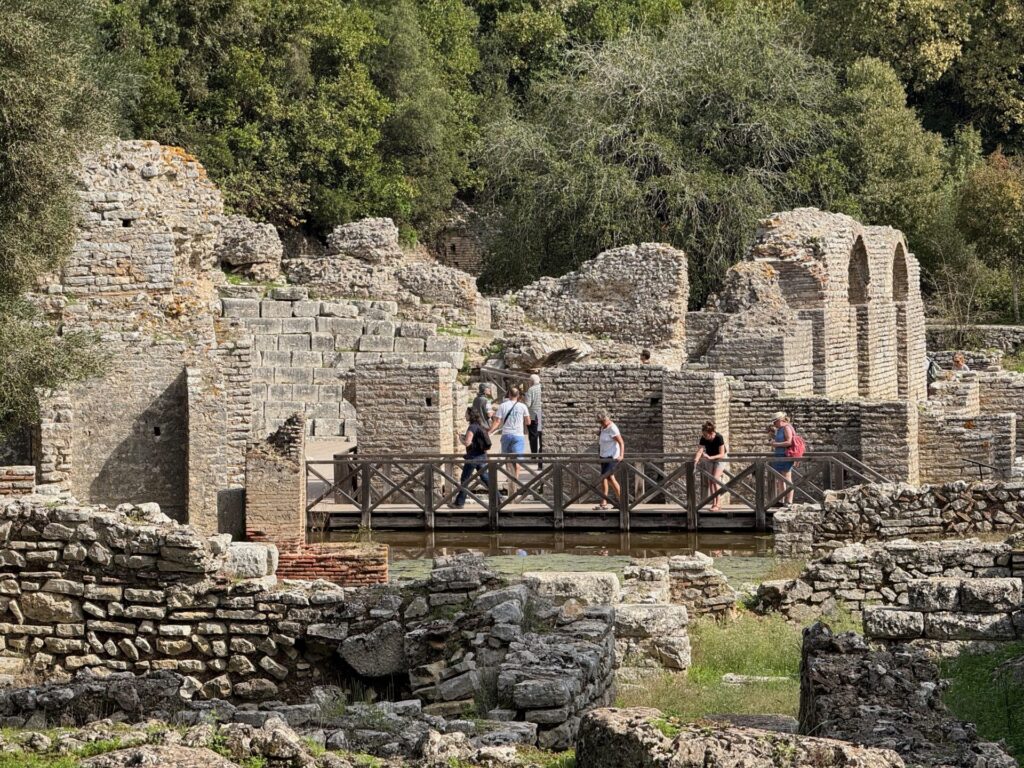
[[581, 517]]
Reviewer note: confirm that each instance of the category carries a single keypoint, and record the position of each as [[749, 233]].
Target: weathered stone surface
[[249, 248], [613, 738], [372, 240], [47, 607], [377, 653], [887, 623], [588, 588]]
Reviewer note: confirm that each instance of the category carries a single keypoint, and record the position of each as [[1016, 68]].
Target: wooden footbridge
[[660, 492]]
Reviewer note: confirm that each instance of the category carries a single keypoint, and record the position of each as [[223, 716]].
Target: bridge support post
[[624, 501], [365, 494], [428, 496], [492, 494], [557, 507], [691, 496], [760, 503]]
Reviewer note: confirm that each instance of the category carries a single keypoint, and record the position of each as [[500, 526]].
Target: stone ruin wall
[[1007, 338], [859, 576], [886, 512], [406, 408], [306, 353], [885, 697]]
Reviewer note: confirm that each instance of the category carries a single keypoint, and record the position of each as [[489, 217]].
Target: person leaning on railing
[[712, 449]]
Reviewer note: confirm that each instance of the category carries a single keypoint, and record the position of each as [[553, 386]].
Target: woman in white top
[[611, 448]]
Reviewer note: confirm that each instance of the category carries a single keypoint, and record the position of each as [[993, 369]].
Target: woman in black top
[[477, 441], [711, 448]]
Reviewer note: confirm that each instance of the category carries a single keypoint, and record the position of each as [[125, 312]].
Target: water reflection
[[743, 557]]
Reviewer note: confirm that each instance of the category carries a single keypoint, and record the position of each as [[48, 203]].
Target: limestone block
[[404, 344], [240, 307], [650, 621], [377, 653], [991, 595], [588, 588], [298, 325], [49, 607], [934, 594], [376, 344], [969, 626], [246, 560], [275, 309], [893, 624], [337, 309]]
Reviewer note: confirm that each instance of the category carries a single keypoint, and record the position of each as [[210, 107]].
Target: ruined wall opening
[[859, 276]]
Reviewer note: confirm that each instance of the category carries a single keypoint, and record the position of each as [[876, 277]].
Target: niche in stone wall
[[900, 290], [859, 276]]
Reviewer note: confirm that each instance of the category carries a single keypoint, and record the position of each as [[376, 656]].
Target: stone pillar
[[405, 408], [692, 397], [275, 487], [889, 439]]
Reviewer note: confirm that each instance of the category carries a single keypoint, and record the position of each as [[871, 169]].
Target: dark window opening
[[655, 402], [156, 431], [430, 401], [126, 222], [451, 248]]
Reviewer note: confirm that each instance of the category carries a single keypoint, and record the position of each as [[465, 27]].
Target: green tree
[[274, 96], [424, 68], [56, 98], [687, 137], [896, 170], [991, 215]]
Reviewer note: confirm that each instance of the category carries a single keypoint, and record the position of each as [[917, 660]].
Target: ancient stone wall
[[405, 408], [977, 359], [638, 736], [352, 565], [637, 293], [950, 609], [1008, 338], [689, 398], [275, 487], [306, 352], [1003, 392], [17, 480], [949, 439], [631, 394], [888, 698], [881, 573], [886, 512]]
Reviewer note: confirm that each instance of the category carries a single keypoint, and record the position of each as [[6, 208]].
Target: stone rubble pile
[[616, 738], [636, 294], [365, 260], [884, 512], [887, 698], [881, 573]]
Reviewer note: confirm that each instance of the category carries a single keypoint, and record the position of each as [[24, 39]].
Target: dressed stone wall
[[886, 512], [406, 408], [632, 395], [882, 573]]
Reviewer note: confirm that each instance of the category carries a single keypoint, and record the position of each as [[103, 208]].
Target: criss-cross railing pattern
[[553, 490]]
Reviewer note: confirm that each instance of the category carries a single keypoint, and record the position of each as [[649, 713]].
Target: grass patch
[[25, 760], [782, 568], [535, 756], [1014, 362], [985, 691], [748, 645]]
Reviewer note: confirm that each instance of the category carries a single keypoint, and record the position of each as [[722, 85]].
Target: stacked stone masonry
[[306, 354], [886, 512], [860, 576], [1008, 338], [888, 698]]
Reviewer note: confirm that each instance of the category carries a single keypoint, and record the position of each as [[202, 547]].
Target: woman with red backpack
[[787, 443]]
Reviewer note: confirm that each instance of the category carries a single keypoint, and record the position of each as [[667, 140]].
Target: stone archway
[[859, 278]]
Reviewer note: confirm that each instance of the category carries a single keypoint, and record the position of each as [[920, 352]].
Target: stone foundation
[[889, 698], [881, 574], [350, 565], [886, 512], [17, 480]]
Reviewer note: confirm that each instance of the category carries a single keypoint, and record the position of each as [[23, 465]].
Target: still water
[[741, 557]]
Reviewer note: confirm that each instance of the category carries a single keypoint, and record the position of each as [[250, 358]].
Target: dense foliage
[[57, 98]]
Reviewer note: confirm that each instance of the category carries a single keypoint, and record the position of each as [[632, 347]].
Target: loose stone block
[[892, 624]]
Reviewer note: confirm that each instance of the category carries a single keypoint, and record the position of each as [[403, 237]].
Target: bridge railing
[[545, 488]]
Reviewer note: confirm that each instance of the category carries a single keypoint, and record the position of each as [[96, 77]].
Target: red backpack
[[797, 447]]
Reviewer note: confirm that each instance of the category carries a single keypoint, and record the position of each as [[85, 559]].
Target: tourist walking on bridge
[[512, 418], [611, 449], [535, 405], [782, 439], [711, 455], [478, 442]]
